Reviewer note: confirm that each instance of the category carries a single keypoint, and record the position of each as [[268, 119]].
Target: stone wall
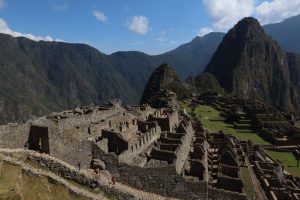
[[116, 142], [167, 119], [141, 144], [75, 175], [184, 149], [161, 180], [69, 149], [65, 146], [14, 135]]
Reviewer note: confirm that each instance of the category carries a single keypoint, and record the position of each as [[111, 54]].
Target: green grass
[[248, 184], [287, 159], [14, 184], [9, 181], [212, 120], [35, 187]]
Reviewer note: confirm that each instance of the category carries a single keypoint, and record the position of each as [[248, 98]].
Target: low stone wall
[[74, 175]]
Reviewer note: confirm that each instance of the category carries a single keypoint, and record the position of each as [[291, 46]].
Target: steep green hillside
[[203, 83], [39, 77]]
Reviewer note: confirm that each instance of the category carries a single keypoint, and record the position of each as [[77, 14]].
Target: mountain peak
[[250, 21], [248, 27], [164, 68], [249, 64], [162, 78]]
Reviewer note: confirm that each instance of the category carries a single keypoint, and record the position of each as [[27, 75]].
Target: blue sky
[[151, 26]]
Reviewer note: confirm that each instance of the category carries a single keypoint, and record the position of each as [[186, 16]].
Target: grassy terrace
[[248, 184], [287, 159], [212, 120], [14, 184]]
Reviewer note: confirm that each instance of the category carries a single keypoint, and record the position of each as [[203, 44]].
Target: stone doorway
[[38, 139]]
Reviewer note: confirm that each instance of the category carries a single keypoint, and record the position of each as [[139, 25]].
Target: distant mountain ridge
[[286, 33], [39, 77]]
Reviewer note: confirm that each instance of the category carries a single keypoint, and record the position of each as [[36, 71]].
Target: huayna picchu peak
[[249, 64]]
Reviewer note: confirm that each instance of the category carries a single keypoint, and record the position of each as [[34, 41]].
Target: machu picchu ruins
[[161, 152], [145, 117]]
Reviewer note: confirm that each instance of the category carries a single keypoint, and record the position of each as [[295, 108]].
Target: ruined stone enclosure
[[38, 139]]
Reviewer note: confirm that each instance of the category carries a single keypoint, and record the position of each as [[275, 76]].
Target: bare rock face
[[98, 164], [249, 64]]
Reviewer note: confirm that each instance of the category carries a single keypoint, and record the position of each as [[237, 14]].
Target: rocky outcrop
[[163, 78], [98, 164]]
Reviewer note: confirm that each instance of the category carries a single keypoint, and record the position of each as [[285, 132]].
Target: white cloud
[[161, 39], [225, 13], [62, 6], [204, 31], [5, 29], [100, 16], [277, 10], [138, 24], [2, 3], [162, 32]]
